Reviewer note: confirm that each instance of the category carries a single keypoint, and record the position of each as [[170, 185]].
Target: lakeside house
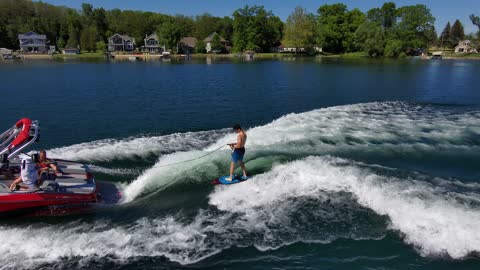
[[208, 42], [71, 51], [32, 42], [152, 44], [465, 46], [187, 45], [121, 43]]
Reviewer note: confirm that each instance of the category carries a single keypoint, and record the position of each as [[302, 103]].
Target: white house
[[208, 41], [465, 46]]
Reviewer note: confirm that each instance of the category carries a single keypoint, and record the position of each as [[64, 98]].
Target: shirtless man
[[238, 151]]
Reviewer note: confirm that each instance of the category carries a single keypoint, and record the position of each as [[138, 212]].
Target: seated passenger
[[28, 174], [44, 164]]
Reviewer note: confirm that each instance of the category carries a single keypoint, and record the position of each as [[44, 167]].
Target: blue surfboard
[[222, 180]]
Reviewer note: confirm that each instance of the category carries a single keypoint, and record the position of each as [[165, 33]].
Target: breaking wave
[[311, 200], [377, 131]]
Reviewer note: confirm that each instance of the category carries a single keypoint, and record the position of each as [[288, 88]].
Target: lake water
[[356, 164]]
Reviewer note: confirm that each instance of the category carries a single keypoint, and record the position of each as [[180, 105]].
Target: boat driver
[[28, 174]]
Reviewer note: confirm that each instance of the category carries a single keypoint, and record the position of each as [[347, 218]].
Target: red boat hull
[[44, 203]]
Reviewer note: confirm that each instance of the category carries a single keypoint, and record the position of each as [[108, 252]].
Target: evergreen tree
[[457, 33], [444, 40]]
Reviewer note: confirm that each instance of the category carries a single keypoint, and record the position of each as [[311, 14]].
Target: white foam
[[111, 149], [115, 171], [29, 247], [391, 128], [262, 212], [429, 218]]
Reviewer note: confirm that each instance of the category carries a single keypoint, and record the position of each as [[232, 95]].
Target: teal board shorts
[[238, 154]]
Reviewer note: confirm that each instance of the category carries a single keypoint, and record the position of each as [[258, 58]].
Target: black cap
[[237, 126]]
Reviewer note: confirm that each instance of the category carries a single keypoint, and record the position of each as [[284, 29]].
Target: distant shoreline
[[230, 56]]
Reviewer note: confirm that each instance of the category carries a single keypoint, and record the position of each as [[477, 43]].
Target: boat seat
[[4, 188], [50, 185]]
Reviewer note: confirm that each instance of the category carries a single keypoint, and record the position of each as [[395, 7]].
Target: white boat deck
[[74, 180]]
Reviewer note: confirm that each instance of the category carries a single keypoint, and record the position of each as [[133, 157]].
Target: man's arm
[[235, 145], [15, 182]]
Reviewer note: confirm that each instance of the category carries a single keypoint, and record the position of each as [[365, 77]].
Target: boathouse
[[70, 51], [187, 45], [121, 43], [32, 42]]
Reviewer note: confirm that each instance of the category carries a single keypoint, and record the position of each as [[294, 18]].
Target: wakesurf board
[[222, 180]]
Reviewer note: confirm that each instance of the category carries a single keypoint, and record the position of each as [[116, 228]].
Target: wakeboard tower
[[74, 190]]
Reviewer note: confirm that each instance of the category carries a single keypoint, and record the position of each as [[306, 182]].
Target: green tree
[[74, 22], [61, 43], [457, 33], [386, 16], [476, 21], [370, 38], [256, 29], [336, 27], [87, 10], [300, 30], [100, 45], [217, 45], [415, 29], [169, 34], [394, 48], [225, 28], [99, 18], [205, 24], [185, 25], [200, 47], [88, 39], [444, 39]]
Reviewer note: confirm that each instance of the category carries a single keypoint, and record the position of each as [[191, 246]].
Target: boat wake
[[137, 147], [311, 200], [318, 177], [391, 133]]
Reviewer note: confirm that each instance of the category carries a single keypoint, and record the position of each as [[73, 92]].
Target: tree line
[[384, 31]]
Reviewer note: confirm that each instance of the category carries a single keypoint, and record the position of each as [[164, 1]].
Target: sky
[[442, 10]]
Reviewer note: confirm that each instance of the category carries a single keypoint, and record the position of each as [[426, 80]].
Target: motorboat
[[75, 189]]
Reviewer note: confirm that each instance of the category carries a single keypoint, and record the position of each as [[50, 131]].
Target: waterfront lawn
[[82, 54]]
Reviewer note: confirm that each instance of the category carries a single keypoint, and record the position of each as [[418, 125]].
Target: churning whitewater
[[319, 176]]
